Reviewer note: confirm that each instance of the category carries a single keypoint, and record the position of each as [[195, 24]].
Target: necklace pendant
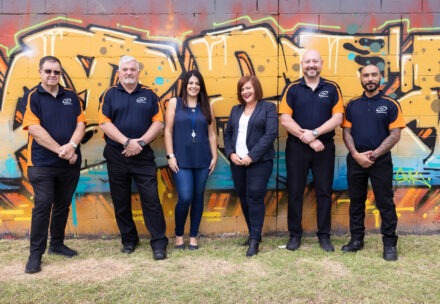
[[193, 135]]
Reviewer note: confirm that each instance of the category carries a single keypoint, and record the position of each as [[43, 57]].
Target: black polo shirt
[[310, 109], [371, 120], [58, 116], [132, 113]]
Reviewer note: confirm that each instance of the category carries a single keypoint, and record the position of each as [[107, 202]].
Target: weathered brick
[[319, 6], [431, 6], [23, 6], [366, 6], [401, 6]]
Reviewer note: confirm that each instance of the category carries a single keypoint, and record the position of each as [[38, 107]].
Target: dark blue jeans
[[251, 185], [190, 184]]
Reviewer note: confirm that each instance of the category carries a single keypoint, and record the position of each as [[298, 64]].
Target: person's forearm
[[348, 141], [290, 125], [78, 134], [113, 133], [388, 143], [330, 124], [43, 138], [152, 132]]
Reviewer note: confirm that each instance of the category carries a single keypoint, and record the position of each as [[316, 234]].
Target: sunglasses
[[48, 72]]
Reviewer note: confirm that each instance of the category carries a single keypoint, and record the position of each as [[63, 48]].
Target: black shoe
[[326, 244], [390, 253], [63, 250], [193, 247], [353, 246], [128, 248], [253, 248], [181, 246], [33, 264], [159, 254], [246, 243], [294, 243]]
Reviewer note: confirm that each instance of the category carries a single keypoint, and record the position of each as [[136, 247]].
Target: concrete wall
[[224, 39]]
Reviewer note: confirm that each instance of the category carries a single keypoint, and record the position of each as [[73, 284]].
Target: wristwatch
[[142, 144], [315, 133], [170, 156]]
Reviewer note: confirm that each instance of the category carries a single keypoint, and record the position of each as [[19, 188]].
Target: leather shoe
[[159, 254], [128, 248], [353, 246], [253, 248], [193, 247], [33, 264], [390, 253], [181, 246], [246, 243], [294, 243], [326, 244], [63, 250]]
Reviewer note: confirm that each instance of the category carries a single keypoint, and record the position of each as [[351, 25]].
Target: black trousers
[[53, 191], [250, 184], [142, 170], [300, 158], [381, 177]]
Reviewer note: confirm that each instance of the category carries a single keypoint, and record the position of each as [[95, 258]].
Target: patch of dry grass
[[220, 273]]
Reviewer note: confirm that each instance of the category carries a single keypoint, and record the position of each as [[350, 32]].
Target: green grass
[[219, 272]]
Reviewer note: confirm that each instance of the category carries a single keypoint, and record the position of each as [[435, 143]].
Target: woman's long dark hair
[[202, 98]]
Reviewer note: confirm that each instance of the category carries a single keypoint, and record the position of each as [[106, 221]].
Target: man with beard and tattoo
[[311, 108], [131, 118], [371, 127]]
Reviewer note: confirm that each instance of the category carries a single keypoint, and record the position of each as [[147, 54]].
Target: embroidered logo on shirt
[[323, 94], [141, 100], [67, 101], [382, 110]]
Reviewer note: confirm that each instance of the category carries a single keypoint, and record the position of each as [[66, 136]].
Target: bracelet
[[126, 143], [73, 144], [169, 156]]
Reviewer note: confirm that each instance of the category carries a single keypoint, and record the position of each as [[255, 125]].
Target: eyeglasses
[[48, 72]]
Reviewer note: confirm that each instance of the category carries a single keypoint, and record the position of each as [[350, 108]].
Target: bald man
[[311, 108], [372, 126]]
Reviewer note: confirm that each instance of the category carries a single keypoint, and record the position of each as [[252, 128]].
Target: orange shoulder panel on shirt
[[101, 117], [284, 107], [159, 115], [339, 106], [399, 122], [345, 122], [29, 117]]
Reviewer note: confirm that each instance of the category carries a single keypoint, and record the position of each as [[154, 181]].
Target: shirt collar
[[121, 88], [42, 90], [375, 97], [302, 81]]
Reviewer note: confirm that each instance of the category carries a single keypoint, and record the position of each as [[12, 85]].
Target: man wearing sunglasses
[[55, 121]]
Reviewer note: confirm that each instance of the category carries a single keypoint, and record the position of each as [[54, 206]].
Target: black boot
[[253, 248]]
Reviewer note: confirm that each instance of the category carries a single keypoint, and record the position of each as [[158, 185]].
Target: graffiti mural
[[408, 58]]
